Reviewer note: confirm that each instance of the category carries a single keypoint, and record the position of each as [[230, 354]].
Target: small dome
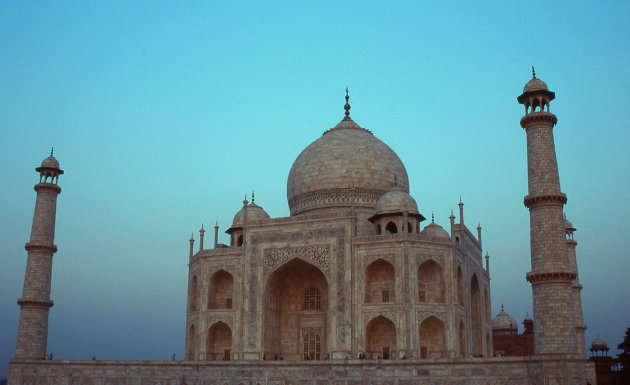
[[599, 344], [503, 321], [435, 230], [50, 162], [396, 201], [528, 318], [568, 226], [535, 84], [254, 213]]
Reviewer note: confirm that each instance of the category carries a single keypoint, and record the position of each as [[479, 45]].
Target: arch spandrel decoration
[[422, 315], [226, 319], [390, 315], [213, 269], [371, 258], [421, 258], [315, 255]]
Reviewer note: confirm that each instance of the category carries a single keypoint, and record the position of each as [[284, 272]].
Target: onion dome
[[435, 230], [599, 344], [528, 318], [503, 322], [254, 213], [346, 166]]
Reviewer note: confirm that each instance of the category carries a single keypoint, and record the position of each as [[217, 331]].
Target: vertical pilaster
[[35, 302], [580, 328]]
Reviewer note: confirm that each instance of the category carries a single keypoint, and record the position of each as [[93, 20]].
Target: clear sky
[[164, 115]]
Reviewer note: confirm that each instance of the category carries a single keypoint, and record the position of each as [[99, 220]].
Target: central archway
[[295, 312]]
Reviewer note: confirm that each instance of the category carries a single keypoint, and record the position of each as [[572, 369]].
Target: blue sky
[[164, 115]]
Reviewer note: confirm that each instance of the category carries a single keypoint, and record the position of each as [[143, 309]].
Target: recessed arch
[[475, 315], [286, 321], [380, 283], [460, 287], [409, 227], [430, 282], [432, 338], [391, 228], [380, 341], [486, 304], [194, 294], [219, 342], [192, 343], [221, 290]]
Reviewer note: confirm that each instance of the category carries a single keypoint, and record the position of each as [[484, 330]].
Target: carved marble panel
[[317, 255]]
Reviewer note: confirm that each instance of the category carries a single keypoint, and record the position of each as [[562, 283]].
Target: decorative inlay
[[333, 198], [371, 258], [422, 315], [213, 269], [559, 198], [225, 318], [390, 315], [318, 255], [421, 258]]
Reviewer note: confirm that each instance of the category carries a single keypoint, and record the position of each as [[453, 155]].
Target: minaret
[[35, 302], [551, 275], [577, 288]]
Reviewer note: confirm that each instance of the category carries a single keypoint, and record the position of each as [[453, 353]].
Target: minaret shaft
[[551, 274], [35, 302]]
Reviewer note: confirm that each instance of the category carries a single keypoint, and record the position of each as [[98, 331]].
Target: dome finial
[[347, 106], [52, 149], [501, 307], [432, 217], [252, 196], [533, 73]]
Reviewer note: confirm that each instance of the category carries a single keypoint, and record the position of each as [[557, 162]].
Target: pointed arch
[[460, 288], [431, 282], [476, 315], [380, 283], [432, 338], [380, 341], [192, 344], [486, 305], [378, 229], [219, 342], [221, 290], [489, 348], [286, 319], [391, 228]]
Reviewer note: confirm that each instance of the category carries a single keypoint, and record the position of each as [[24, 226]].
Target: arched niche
[[380, 283], [288, 317], [380, 338], [391, 228], [461, 292], [219, 342], [431, 282], [462, 339], [194, 294], [475, 316], [221, 290], [432, 338], [192, 344]]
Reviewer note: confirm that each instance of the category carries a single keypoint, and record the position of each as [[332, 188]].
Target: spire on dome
[[252, 196], [347, 106], [52, 149], [432, 217], [533, 73]]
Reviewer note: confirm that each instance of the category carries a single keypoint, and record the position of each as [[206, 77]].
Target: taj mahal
[[359, 285]]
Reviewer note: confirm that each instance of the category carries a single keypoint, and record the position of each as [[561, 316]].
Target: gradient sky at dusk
[[163, 115]]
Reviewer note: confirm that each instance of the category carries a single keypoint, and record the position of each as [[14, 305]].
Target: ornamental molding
[[539, 278], [316, 255], [423, 315], [538, 117], [531, 200], [333, 198], [391, 315], [35, 303], [40, 247]]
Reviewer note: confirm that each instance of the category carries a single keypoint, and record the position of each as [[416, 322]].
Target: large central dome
[[346, 166]]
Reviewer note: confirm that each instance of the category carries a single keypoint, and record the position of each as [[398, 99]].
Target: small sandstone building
[[506, 341], [352, 272]]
